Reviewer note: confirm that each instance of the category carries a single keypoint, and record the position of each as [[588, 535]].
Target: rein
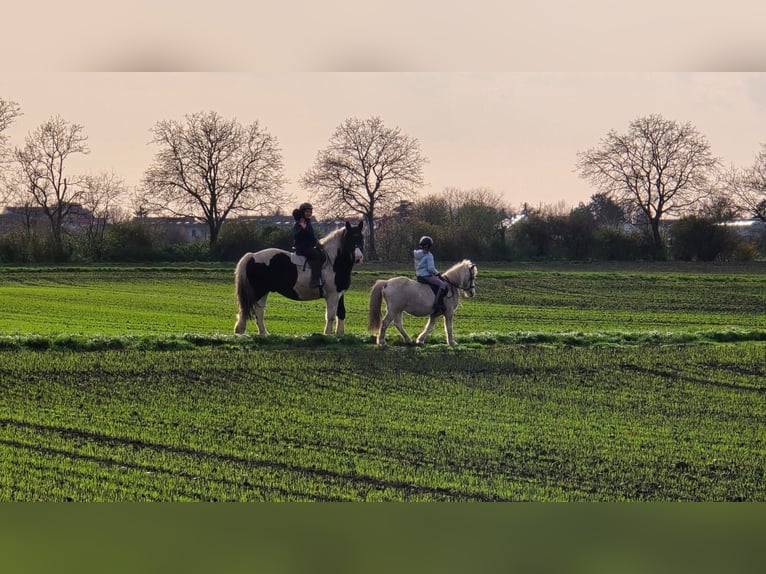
[[326, 251], [464, 288], [341, 239]]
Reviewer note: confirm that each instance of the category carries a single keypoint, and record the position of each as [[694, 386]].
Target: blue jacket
[[424, 263]]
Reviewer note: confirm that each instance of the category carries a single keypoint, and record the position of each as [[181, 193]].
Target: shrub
[[700, 239], [744, 252], [240, 237], [26, 247], [192, 251], [616, 245], [133, 241]]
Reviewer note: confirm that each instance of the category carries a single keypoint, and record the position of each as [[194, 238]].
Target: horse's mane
[[332, 237], [464, 263]]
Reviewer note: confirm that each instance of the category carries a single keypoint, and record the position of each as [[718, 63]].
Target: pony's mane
[[464, 263]]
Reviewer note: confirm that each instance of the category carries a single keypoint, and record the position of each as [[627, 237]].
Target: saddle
[[302, 262], [434, 288]]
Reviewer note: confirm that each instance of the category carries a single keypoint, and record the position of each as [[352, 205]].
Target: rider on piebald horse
[[305, 242]]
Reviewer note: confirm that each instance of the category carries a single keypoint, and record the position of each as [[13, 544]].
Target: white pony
[[406, 295]]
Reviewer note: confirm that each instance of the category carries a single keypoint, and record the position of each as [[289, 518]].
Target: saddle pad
[[298, 260], [434, 288]]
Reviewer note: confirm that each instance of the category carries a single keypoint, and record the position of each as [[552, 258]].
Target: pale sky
[[516, 134]]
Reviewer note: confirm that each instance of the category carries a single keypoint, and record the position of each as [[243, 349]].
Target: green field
[[569, 384]]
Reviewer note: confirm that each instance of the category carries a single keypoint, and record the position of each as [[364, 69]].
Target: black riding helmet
[[304, 206], [426, 241]]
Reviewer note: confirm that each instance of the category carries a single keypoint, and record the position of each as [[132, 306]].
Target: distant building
[[260, 221], [179, 229], [749, 229], [191, 229], [322, 228], [15, 218]]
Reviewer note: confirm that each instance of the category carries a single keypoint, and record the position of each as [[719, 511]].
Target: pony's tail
[[244, 290], [376, 301]]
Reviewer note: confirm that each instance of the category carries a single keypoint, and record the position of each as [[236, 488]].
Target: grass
[[568, 385], [528, 423], [160, 301]]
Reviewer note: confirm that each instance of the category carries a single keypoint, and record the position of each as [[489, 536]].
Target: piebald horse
[[258, 274], [406, 295]]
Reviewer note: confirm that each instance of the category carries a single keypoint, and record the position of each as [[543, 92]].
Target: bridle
[[356, 243], [345, 251], [471, 280]]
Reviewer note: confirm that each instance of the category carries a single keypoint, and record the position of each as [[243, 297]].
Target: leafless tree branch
[[367, 169], [208, 168], [43, 161], [658, 168]]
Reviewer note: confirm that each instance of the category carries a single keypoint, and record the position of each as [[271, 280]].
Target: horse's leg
[[427, 331], [331, 311], [448, 330], [341, 318], [383, 326], [241, 325], [260, 309], [400, 327]]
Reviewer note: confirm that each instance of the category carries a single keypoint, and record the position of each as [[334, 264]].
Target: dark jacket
[[303, 238]]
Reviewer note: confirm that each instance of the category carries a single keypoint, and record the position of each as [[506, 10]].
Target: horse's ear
[[361, 224], [348, 226]]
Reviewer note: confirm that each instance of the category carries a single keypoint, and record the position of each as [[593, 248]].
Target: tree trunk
[[658, 245], [372, 254], [215, 229], [58, 242]]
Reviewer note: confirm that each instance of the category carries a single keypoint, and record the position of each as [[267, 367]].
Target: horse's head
[[470, 289], [353, 241]]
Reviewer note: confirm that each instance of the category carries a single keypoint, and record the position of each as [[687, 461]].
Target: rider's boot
[[439, 303], [315, 276]]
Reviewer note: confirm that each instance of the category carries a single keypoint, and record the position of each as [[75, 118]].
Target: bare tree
[[43, 161], [101, 203], [209, 167], [9, 111], [750, 187], [658, 168], [722, 203], [367, 169]]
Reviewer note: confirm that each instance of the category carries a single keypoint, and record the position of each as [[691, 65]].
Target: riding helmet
[[304, 206], [426, 241]]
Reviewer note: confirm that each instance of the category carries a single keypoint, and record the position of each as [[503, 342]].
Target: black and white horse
[[258, 274]]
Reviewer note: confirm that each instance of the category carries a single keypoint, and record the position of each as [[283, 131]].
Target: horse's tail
[[244, 290], [376, 301]]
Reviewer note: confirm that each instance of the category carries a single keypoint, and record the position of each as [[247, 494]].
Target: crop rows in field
[[117, 302], [122, 302], [507, 423], [568, 386]]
